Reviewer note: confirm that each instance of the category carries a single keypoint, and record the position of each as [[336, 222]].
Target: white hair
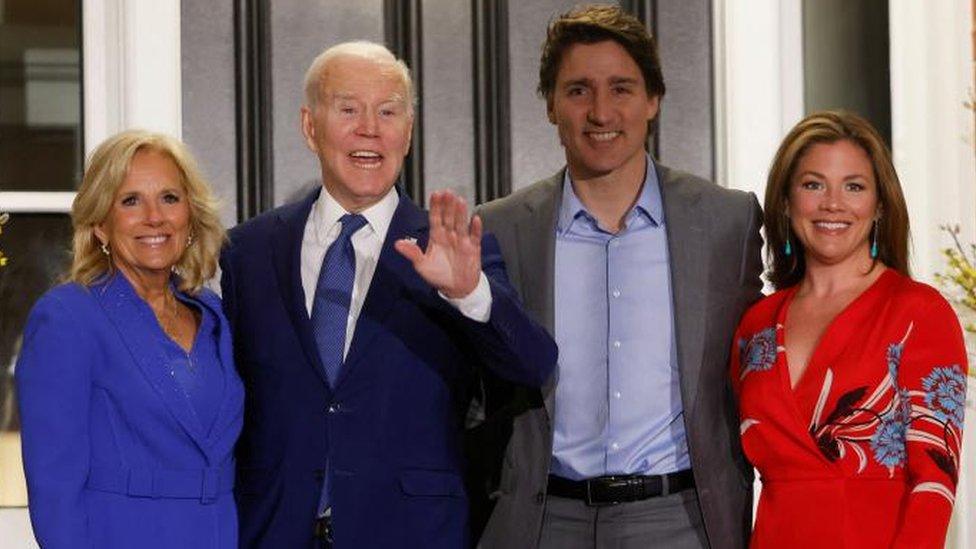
[[357, 48]]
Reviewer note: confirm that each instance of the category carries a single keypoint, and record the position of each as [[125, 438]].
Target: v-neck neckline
[[814, 364]]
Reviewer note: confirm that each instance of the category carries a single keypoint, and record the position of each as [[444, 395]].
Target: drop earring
[[874, 241], [788, 248], [105, 249]]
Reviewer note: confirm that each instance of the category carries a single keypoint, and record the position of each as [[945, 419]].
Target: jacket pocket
[[419, 482]]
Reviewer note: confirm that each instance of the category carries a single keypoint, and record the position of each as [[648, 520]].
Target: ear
[[308, 128], [653, 106], [550, 112], [100, 234]]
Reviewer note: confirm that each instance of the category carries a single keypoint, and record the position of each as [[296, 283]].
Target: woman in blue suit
[[129, 399]]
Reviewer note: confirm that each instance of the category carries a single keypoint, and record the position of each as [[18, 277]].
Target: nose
[[600, 109], [154, 213], [368, 124], [832, 200]]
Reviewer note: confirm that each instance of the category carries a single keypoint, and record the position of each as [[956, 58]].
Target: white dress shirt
[[323, 227]]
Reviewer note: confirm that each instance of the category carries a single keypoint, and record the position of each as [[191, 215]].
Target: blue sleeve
[[53, 376], [511, 344]]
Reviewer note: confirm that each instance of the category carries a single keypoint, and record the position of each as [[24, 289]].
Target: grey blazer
[[714, 246]]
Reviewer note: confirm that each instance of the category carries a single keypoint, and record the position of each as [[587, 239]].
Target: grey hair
[[357, 48]]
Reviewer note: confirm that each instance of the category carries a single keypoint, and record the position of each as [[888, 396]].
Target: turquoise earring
[[874, 241], [788, 249]]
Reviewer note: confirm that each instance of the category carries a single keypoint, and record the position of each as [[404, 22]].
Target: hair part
[[108, 167], [364, 50], [590, 24], [826, 127]]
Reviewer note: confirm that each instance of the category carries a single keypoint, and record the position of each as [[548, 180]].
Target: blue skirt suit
[[127, 438]]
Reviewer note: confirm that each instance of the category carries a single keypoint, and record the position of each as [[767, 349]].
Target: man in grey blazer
[[641, 273]]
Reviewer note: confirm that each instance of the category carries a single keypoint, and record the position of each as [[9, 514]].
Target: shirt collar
[[327, 212], [648, 204]]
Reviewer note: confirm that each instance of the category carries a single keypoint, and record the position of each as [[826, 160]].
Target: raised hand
[[452, 261]]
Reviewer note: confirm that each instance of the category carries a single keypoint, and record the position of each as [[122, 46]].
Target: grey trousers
[[672, 522]]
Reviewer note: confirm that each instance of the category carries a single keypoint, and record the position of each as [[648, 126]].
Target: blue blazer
[[391, 429], [114, 454]]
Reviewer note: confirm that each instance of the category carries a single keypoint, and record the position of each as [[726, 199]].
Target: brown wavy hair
[[831, 127], [107, 169]]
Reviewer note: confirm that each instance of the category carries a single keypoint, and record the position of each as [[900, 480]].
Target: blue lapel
[[133, 320], [394, 274], [232, 400], [287, 254]]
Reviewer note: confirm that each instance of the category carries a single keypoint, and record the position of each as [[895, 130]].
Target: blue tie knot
[[350, 224]]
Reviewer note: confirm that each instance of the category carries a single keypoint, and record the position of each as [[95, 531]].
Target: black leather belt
[[619, 489]]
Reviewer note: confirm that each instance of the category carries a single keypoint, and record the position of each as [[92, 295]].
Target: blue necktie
[[333, 293]]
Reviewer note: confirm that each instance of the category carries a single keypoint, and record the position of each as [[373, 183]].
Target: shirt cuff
[[477, 304]]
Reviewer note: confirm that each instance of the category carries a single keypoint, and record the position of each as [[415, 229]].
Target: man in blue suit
[[358, 324]]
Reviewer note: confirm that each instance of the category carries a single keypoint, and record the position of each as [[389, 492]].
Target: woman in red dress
[[851, 378]]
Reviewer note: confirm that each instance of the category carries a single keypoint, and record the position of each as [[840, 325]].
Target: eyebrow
[[822, 176], [615, 80], [346, 96]]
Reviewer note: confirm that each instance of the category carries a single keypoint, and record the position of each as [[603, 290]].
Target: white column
[[758, 86], [932, 133], [131, 67]]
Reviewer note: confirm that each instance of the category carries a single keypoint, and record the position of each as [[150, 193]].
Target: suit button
[[539, 498], [335, 408]]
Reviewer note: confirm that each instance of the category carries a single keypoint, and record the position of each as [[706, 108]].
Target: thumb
[[409, 250]]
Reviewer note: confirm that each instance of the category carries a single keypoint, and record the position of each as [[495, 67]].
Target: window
[[40, 166]]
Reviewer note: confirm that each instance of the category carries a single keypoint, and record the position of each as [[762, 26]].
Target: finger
[[409, 250], [461, 216], [435, 215], [476, 229], [450, 210]]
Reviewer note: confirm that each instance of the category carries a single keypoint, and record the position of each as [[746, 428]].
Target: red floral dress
[[864, 451]]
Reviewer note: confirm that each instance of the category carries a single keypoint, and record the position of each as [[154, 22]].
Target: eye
[[575, 90], [129, 200], [621, 90], [171, 198], [811, 185], [854, 186]]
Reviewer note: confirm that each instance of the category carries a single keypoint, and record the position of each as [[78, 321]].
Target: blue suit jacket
[[114, 453], [391, 429]]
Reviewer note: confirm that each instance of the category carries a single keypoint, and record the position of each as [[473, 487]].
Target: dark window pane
[[40, 95], [38, 250]]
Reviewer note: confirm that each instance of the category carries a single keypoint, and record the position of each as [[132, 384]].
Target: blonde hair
[[107, 169]]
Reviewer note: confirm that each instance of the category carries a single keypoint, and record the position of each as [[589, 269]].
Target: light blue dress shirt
[[618, 403]]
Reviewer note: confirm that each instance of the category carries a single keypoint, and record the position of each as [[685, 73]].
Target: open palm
[[452, 261]]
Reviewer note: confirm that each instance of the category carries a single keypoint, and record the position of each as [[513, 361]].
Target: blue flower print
[[888, 443], [893, 358], [759, 354], [945, 393]]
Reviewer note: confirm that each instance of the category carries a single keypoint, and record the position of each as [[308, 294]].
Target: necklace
[[171, 326]]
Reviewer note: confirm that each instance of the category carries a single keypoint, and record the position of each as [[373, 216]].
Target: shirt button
[[616, 394], [616, 344], [615, 446], [615, 293]]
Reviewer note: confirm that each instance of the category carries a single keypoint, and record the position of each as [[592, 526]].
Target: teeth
[[364, 154], [603, 136], [832, 225], [153, 239]]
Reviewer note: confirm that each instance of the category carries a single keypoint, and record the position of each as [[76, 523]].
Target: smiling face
[[833, 202], [359, 128], [601, 107], [148, 224]]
